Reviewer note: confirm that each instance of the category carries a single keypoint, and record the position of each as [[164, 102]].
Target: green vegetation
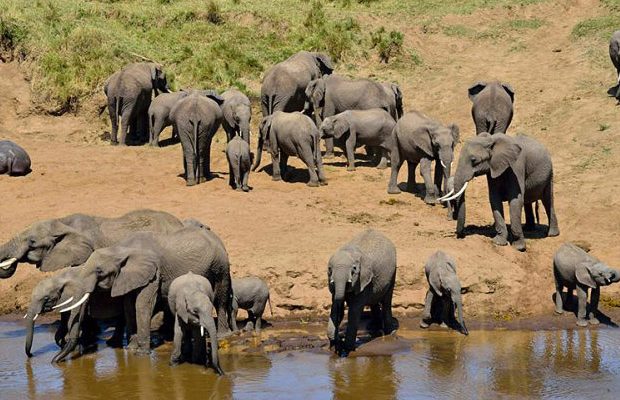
[[387, 44], [602, 27]]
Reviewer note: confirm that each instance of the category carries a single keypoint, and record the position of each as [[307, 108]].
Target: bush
[[214, 14], [11, 36], [387, 44]]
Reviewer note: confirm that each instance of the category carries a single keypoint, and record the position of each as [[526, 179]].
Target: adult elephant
[[197, 117], [492, 106], [57, 243], [237, 113], [334, 94], [141, 268], [129, 93], [518, 170], [614, 54], [284, 85]]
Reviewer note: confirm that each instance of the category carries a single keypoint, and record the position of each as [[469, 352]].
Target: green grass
[[599, 27]]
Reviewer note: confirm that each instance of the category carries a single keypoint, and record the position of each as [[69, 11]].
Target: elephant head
[[443, 280], [335, 126], [315, 99], [393, 90], [478, 87], [323, 63], [438, 142], [264, 133], [593, 273], [158, 78], [49, 244], [347, 274], [484, 154]]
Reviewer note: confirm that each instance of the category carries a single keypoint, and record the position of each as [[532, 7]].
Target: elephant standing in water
[[159, 115], [444, 291], [14, 160], [492, 106], [518, 170], [237, 113], [361, 273], [140, 269], [573, 268], [196, 118], [129, 93], [614, 54]]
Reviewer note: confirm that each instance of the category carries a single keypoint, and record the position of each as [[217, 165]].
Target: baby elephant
[[239, 163], [361, 273], [444, 291], [190, 298], [13, 159], [574, 268], [251, 294]]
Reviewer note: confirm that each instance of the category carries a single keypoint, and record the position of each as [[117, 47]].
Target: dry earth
[[286, 232]]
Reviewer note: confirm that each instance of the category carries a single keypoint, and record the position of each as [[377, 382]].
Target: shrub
[[214, 14], [387, 44]]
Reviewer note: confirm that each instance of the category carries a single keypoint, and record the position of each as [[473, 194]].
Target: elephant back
[[377, 251]]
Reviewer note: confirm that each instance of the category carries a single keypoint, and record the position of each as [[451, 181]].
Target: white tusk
[[457, 194], [25, 315], [7, 263], [618, 78], [35, 317], [69, 300], [442, 164], [349, 281], [79, 303], [202, 330], [446, 195]]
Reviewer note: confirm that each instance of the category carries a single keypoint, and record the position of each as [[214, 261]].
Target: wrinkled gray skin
[[421, 140], [159, 114], [57, 289], [141, 268], [129, 93], [614, 54], [196, 118], [357, 128], [191, 301], [284, 84], [492, 106], [334, 94], [573, 268], [395, 95], [291, 134], [66, 242], [252, 294], [361, 273], [445, 289], [237, 113], [191, 222], [239, 163], [14, 160], [519, 171]]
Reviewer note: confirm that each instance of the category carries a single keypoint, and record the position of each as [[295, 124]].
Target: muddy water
[[578, 364]]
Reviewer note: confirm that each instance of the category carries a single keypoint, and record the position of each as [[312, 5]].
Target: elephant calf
[[573, 268], [159, 115], [444, 291], [492, 107], [237, 113], [239, 163], [252, 294], [191, 301], [361, 127], [13, 159], [361, 273]]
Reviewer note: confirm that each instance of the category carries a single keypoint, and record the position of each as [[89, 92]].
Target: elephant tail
[[317, 148], [196, 152], [491, 126]]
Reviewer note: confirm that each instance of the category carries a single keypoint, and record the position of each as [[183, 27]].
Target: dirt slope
[[285, 232]]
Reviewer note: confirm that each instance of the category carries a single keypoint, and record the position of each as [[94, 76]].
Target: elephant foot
[[350, 169], [582, 322], [114, 142], [443, 325], [132, 344], [174, 363], [553, 232], [238, 189], [249, 326], [276, 178], [142, 350], [115, 342], [154, 144], [594, 321], [382, 166], [202, 179], [323, 182], [328, 155], [519, 245], [424, 324], [430, 199], [313, 184], [191, 182], [559, 312], [500, 241], [223, 335], [393, 190], [245, 188]]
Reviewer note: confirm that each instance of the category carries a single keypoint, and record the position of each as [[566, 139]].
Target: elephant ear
[[268, 134], [316, 91], [475, 89], [155, 72], [341, 126], [509, 90], [504, 154], [422, 139], [582, 273], [71, 248], [212, 94], [138, 267], [175, 108], [398, 97], [324, 62], [456, 133], [181, 309], [434, 279], [366, 273]]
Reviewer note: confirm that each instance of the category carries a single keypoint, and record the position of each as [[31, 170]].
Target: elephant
[[361, 127], [159, 114], [54, 292], [129, 93], [291, 134], [492, 106], [252, 294], [396, 99], [239, 162], [140, 269], [333, 94], [68, 241], [573, 268], [14, 161], [614, 54], [197, 117], [237, 113], [421, 140], [190, 299], [284, 84], [444, 288], [519, 170], [360, 273]]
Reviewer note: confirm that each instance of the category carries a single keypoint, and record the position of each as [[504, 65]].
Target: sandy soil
[[286, 232]]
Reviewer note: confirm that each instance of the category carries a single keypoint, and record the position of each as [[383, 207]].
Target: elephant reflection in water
[[364, 378], [562, 350]]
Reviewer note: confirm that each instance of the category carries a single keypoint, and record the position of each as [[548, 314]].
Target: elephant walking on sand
[[614, 54], [129, 93], [159, 115], [291, 134], [518, 170], [237, 113], [573, 268], [361, 273], [239, 163], [197, 117], [252, 294], [492, 106]]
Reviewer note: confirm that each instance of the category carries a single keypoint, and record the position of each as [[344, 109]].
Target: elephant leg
[[275, 164], [446, 308], [530, 222], [145, 304], [235, 311], [231, 175], [501, 231], [431, 191], [129, 308], [189, 161], [113, 120], [199, 346], [438, 177], [259, 321], [396, 162], [582, 299], [329, 148], [116, 341], [284, 166], [177, 344], [559, 304], [427, 319], [61, 332], [383, 163], [547, 201], [353, 320], [224, 305], [386, 311], [350, 148], [308, 158], [516, 209], [411, 166], [244, 180], [333, 325], [126, 121], [595, 295], [251, 321], [320, 170], [142, 127]]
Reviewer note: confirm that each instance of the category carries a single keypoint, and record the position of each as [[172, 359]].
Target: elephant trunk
[[259, 152], [30, 318], [10, 254], [244, 129], [615, 276], [75, 322], [461, 179], [458, 305], [206, 321]]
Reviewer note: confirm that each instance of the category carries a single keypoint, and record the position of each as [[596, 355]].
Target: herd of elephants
[[129, 267]]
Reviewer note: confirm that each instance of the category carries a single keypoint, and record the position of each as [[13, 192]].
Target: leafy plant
[[387, 44]]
